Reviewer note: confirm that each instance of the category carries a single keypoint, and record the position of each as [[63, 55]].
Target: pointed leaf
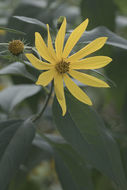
[[16, 152], [7, 131], [31, 21], [15, 94], [71, 168], [101, 31], [85, 131], [12, 30], [16, 68]]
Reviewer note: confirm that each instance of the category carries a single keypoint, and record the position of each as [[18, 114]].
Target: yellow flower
[[61, 66]]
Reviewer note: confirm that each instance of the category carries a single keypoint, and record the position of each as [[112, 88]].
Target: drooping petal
[[38, 64], [74, 37], [88, 49], [59, 42], [95, 62], [59, 90], [45, 78], [88, 79], [42, 48], [50, 46], [76, 91]]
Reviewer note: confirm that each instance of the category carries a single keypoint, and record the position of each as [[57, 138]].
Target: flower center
[[62, 67]]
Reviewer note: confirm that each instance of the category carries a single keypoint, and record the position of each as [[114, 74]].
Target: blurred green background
[[38, 172]]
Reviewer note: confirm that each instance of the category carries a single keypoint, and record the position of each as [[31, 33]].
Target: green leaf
[[85, 131], [117, 72], [15, 94], [39, 151], [110, 82], [5, 124], [101, 31], [16, 152], [71, 168], [31, 21], [42, 144], [7, 130], [28, 9], [12, 30], [17, 68]]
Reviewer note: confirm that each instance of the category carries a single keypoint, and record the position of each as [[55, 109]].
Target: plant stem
[[38, 115]]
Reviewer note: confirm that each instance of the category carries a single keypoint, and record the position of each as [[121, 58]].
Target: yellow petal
[[95, 62], [59, 90], [74, 37], [45, 78], [59, 42], [87, 79], [76, 91], [50, 46], [88, 49], [38, 64], [42, 48]]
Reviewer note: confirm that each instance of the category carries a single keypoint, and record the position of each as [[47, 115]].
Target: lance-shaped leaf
[[12, 30], [85, 131], [71, 168], [101, 31], [17, 68], [31, 21], [15, 152], [7, 130], [15, 94]]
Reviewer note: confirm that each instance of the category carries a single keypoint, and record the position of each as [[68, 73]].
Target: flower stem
[[40, 113]]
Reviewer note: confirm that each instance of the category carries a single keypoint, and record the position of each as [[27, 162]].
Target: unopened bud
[[60, 21], [16, 47]]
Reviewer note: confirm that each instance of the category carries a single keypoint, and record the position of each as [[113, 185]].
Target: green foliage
[[12, 30], [113, 39], [16, 150], [100, 12], [71, 168], [31, 21], [13, 95], [86, 149], [16, 68], [86, 132]]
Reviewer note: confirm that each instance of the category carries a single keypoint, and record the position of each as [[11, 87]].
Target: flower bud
[[16, 47], [60, 21]]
